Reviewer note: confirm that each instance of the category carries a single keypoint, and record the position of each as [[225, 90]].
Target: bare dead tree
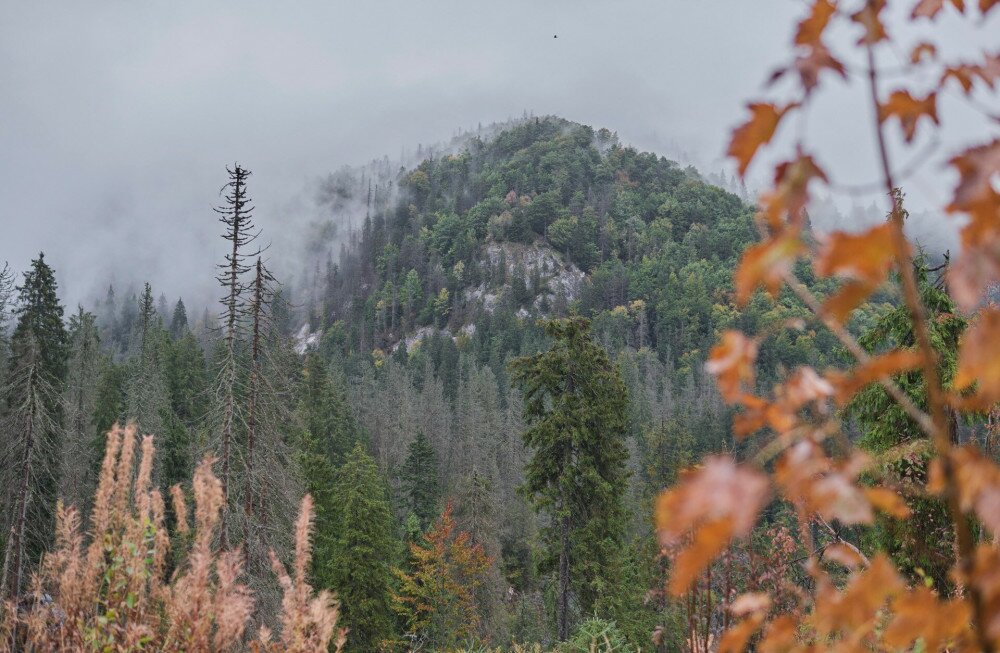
[[236, 215]]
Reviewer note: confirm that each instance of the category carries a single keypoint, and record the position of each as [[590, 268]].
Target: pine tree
[[32, 424], [360, 567], [576, 406], [420, 480]]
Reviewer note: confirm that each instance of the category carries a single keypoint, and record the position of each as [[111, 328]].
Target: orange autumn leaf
[[790, 194], [888, 502], [868, 17], [757, 131], [854, 612], [920, 614], [909, 111], [732, 362], [809, 65], [810, 29], [966, 74], [931, 8], [712, 504], [977, 360], [766, 264], [735, 639], [816, 484], [976, 167], [978, 482], [848, 297], [884, 365], [865, 257]]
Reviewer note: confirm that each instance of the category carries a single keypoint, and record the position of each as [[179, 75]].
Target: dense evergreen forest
[[419, 387]]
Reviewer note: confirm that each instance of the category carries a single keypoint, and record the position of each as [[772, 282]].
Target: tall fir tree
[[32, 428], [360, 569], [147, 403], [576, 407], [325, 411], [419, 477], [179, 320]]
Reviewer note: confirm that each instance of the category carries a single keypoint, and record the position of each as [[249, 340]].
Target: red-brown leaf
[[909, 111]]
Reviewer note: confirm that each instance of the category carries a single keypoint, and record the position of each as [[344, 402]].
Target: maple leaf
[[755, 132], [966, 74], [732, 363], [865, 257], [976, 168], [791, 191], [882, 366], [868, 17], [810, 29], [977, 362], [809, 65], [766, 264], [714, 503], [888, 502], [909, 110], [920, 614]]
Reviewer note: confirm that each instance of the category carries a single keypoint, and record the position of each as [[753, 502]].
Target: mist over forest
[[551, 328]]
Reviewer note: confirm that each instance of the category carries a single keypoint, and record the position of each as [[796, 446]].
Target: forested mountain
[[387, 386]]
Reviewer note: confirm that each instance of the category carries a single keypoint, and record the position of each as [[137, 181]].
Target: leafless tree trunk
[[237, 216]]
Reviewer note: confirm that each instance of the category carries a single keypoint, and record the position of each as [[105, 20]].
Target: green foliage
[[358, 567], [420, 480], [595, 634], [325, 412], [920, 545], [575, 404]]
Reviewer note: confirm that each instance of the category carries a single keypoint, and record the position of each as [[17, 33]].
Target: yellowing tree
[[437, 598]]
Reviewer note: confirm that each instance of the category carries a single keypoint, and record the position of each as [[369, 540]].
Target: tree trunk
[[13, 564], [562, 600]]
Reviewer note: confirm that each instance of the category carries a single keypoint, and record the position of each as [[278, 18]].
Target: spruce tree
[[325, 411], [576, 407], [32, 424], [147, 403], [420, 480], [360, 569], [179, 320]]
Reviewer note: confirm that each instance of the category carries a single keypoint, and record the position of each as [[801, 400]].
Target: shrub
[[108, 591]]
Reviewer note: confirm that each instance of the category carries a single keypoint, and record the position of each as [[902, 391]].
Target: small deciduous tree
[[438, 597]]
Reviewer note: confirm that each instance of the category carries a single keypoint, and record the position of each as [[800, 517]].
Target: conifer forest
[[540, 386]]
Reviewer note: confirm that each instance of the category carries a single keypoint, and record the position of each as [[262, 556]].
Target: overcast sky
[[117, 118]]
